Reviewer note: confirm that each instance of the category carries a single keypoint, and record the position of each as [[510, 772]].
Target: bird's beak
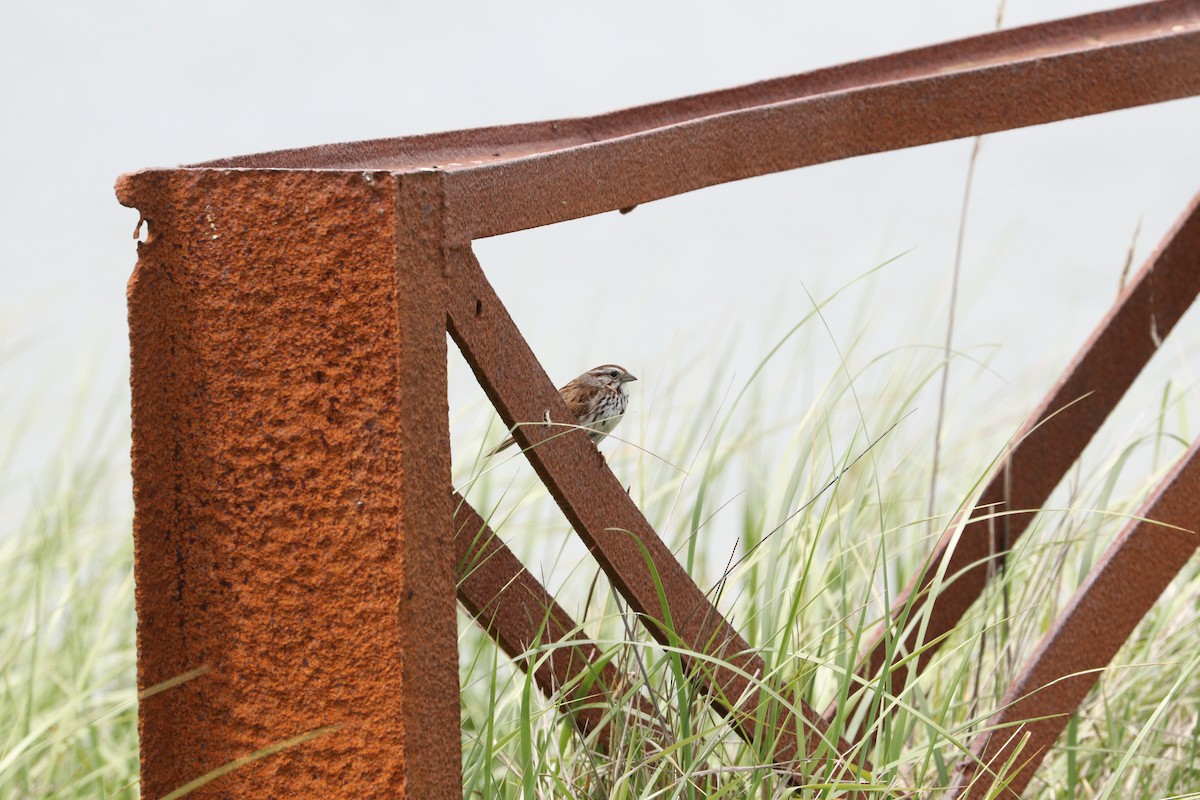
[[629, 377]]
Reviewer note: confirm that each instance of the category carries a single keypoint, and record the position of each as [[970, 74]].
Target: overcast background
[[91, 90]]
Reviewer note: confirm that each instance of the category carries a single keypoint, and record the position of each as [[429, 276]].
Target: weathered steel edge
[[1048, 443], [426, 611], [1102, 615]]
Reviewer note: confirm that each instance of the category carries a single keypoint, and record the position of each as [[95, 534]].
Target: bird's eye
[[612, 373]]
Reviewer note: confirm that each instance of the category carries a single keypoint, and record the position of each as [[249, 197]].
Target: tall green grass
[[798, 500], [804, 545], [68, 699]]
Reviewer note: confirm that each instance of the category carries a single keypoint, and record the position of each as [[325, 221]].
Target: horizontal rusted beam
[[636, 561], [521, 616], [510, 178], [1048, 443], [1101, 616]]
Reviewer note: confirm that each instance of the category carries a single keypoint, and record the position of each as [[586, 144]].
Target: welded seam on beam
[[637, 562], [1048, 443]]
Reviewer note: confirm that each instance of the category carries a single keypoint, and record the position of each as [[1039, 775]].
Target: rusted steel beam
[[1046, 446], [515, 177], [292, 529], [1102, 615], [520, 615], [637, 562], [240, 314]]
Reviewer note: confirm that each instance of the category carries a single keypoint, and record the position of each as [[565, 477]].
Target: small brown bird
[[597, 398]]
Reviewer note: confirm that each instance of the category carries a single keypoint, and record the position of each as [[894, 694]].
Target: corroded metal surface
[[516, 610], [1048, 443], [1117, 593], [634, 558], [288, 320], [515, 177], [289, 548]]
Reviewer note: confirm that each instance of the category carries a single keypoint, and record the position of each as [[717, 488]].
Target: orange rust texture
[[289, 414]]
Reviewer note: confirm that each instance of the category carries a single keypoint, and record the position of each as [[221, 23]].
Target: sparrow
[[597, 398]]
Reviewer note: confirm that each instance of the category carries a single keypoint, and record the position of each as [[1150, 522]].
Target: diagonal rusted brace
[[1117, 593], [1048, 443], [636, 560], [519, 614]]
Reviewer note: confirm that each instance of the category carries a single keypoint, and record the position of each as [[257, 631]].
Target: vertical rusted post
[[293, 532]]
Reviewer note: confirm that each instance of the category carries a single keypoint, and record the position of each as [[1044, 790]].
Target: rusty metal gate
[[288, 320]]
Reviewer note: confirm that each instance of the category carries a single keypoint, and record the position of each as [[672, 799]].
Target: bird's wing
[[576, 396]]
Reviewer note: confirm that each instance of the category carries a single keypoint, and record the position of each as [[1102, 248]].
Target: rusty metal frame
[[401, 213], [636, 561], [1120, 589], [1046, 445]]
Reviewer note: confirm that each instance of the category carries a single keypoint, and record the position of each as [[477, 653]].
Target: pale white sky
[[92, 90]]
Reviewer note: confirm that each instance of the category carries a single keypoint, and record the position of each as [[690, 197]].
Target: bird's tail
[[507, 443]]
